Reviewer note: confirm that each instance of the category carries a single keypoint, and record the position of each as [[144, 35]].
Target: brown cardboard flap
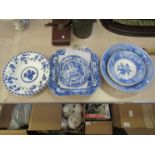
[[148, 115], [98, 127], [115, 115], [140, 131], [6, 114], [153, 114], [131, 116], [134, 115], [45, 117], [13, 132]]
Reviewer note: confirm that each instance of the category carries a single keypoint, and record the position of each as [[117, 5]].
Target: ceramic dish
[[136, 50], [26, 74], [73, 71], [67, 109], [126, 68], [85, 77], [74, 120]]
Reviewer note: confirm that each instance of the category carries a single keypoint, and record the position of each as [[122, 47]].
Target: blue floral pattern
[[29, 74], [124, 69], [11, 73]]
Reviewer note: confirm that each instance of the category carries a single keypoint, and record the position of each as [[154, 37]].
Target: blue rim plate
[[73, 71], [26, 74], [134, 49], [126, 68], [93, 79]]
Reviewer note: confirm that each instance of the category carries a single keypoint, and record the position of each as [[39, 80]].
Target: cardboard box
[[140, 131], [6, 114], [98, 127], [97, 112], [45, 117], [13, 132], [133, 115], [5, 119]]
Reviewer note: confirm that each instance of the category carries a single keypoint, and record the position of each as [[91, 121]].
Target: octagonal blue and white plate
[[126, 68], [133, 49], [74, 72], [26, 74]]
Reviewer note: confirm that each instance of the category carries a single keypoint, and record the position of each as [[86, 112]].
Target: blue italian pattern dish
[[26, 74], [126, 68], [133, 49], [73, 71], [73, 75]]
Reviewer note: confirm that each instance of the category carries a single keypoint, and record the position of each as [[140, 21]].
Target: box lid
[[45, 117], [98, 127]]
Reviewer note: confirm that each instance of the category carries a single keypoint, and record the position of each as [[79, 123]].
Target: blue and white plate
[[73, 71], [26, 74], [126, 68], [133, 49]]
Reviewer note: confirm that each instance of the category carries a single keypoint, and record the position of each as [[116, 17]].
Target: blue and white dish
[[26, 74], [126, 68], [88, 74], [73, 71], [133, 49]]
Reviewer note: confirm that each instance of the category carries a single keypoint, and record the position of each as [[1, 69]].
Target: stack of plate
[[127, 67], [74, 72]]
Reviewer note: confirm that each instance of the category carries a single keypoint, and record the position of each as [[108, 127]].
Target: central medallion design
[[29, 74]]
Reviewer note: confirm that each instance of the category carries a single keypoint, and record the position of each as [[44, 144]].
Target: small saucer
[[126, 68]]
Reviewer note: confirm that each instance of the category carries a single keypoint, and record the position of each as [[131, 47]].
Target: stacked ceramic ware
[[68, 72], [72, 116], [127, 67], [74, 72]]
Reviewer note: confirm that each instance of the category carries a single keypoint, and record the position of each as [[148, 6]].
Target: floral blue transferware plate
[[74, 75], [133, 49], [26, 74], [126, 68]]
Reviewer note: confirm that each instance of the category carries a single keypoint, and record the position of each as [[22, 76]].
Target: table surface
[[38, 38]]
